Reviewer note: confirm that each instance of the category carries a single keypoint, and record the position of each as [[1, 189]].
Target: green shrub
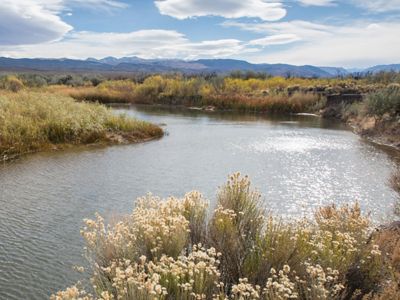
[[11, 83], [236, 226], [384, 101], [34, 80]]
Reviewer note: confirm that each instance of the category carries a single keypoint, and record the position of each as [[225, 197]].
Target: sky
[[341, 33]]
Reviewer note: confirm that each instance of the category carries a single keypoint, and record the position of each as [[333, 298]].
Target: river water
[[298, 163]]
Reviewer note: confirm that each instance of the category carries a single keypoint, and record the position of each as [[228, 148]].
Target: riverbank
[[383, 131], [38, 121], [375, 116]]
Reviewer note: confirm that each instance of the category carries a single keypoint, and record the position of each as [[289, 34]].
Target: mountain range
[[136, 64]]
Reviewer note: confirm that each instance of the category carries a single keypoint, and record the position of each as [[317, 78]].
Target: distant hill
[[383, 68], [136, 64], [28, 64], [336, 71]]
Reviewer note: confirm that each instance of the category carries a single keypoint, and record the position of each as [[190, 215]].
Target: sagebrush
[[171, 249]]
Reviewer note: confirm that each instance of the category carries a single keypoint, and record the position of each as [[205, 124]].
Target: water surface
[[298, 163]]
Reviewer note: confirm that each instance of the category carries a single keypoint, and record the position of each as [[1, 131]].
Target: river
[[298, 163]]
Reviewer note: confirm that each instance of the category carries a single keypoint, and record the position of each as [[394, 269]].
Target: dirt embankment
[[383, 130]]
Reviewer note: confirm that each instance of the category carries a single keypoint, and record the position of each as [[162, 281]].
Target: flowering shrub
[[167, 249], [236, 225]]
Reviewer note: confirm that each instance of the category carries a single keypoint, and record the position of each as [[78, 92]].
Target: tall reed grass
[[169, 249], [268, 95], [33, 121]]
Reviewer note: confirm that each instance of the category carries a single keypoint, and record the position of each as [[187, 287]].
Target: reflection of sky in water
[[309, 168], [295, 144]]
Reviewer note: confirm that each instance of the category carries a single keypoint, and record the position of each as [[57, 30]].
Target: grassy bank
[[243, 91], [234, 92], [34, 121], [378, 116], [260, 95], [176, 249]]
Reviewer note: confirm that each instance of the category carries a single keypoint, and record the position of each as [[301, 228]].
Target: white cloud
[[278, 39], [30, 21], [96, 4], [143, 43], [317, 2], [303, 30], [356, 44], [183, 9], [373, 6], [378, 5], [38, 21]]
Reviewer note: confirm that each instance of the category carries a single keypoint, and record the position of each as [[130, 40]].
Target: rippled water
[[298, 163]]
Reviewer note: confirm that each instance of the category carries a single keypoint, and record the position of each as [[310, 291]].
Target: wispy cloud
[[278, 39], [378, 5], [360, 43], [183, 9], [97, 4], [155, 43], [373, 6], [303, 30], [317, 2]]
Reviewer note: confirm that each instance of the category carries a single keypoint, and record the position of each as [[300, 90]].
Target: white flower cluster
[[245, 290], [194, 276], [72, 293], [284, 284], [156, 227], [320, 283], [160, 226], [375, 251], [279, 286]]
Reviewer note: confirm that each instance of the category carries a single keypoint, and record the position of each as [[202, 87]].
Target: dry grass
[[296, 103], [33, 121], [11, 83], [245, 254], [238, 94], [274, 95]]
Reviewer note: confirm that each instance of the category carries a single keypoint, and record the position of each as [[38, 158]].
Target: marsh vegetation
[[32, 121], [243, 91]]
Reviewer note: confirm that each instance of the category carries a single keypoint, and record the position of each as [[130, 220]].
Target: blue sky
[[349, 33]]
